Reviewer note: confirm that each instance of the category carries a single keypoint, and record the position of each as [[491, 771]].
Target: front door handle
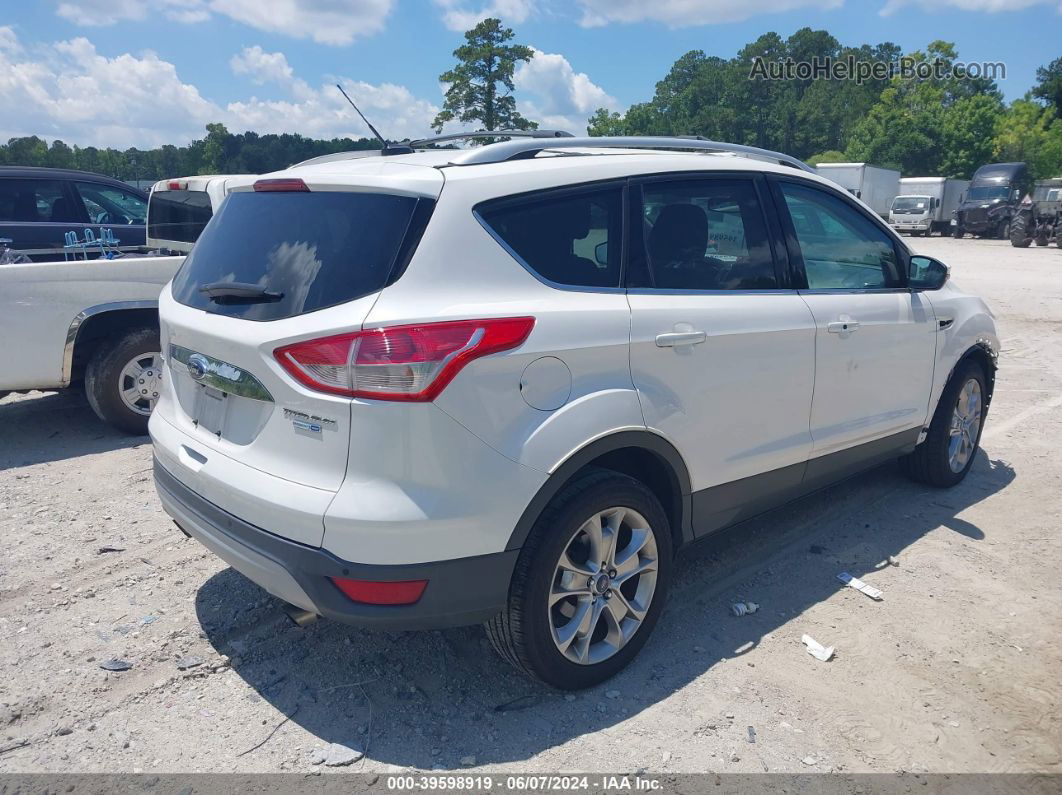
[[844, 326], [671, 339]]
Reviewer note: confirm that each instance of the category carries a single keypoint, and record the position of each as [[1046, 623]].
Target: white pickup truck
[[95, 322]]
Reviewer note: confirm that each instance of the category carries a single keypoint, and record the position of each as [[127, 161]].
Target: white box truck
[[927, 204], [877, 187]]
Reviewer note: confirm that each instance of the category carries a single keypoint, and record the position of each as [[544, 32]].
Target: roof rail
[[524, 149], [421, 142]]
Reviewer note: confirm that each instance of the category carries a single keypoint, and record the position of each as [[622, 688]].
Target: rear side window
[[179, 215], [302, 251], [569, 238], [31, 201], [706, 234]]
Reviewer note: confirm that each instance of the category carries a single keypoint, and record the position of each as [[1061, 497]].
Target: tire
[[108, 366], [529, 632], [959, 232], [1003, 230], [932, 461], [1043, 240], [1019, 237]]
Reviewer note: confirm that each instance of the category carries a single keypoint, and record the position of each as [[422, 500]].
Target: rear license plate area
[[211, 408]]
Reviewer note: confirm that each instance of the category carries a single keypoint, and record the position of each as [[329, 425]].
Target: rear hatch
[[274, 267]]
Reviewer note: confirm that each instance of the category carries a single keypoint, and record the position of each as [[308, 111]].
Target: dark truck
[[38, 206], [1041, 218], [992, 201]]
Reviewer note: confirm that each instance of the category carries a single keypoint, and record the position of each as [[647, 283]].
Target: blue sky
[[145, 72]]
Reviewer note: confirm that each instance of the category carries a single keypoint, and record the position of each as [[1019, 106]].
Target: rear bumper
[[459, 592]]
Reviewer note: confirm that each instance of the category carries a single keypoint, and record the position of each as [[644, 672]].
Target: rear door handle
[[844, 326], [671, 339]]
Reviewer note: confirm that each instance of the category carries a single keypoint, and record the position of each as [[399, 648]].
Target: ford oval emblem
[[198, 366]]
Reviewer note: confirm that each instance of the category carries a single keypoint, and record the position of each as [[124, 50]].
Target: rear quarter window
[[570, 237], [309, 250]]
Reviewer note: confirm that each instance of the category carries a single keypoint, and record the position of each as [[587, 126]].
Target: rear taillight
[[400, 362]]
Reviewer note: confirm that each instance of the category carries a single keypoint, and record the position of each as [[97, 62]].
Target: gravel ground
[[958, 669]]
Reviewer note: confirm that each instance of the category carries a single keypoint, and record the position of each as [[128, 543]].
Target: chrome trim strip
[[220, 375], [75, 327]]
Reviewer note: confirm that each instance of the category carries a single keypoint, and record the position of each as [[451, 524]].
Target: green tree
[[723, 100], [831, 156], [60, 155], [1048, 86], [606, 122], [1050, 159], [1022, 135], [484, 62], [966, 135], [214, 149], [28, 151], [939, 124]]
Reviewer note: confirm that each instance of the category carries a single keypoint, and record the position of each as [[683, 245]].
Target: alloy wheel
[[603, 585]]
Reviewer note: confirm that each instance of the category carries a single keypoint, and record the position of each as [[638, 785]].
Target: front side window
[[35, 201], [570, 238], [106, 204], [842, 249], [706, 234]]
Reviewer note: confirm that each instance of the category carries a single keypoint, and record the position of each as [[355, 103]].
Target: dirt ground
[[958, 669]]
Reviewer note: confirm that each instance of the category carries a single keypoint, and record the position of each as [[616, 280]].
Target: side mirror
[[927, 273], [601, 254]]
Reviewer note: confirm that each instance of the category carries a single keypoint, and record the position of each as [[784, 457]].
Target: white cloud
[[560, 97], [460, 15], [324, 21], [70, 91], [8, 40], [323, 113], [97, 13], [989, 6], [334, 22], [262, 66], [683, 13]]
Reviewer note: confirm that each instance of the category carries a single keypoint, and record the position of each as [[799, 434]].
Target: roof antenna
[[386, 149]]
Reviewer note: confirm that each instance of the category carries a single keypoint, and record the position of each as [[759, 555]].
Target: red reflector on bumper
[[405, 592]]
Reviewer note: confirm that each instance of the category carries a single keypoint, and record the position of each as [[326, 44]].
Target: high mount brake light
[[406, 363], [280, 185]]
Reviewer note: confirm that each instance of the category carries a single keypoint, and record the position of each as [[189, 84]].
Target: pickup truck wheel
[[123, 379], [589, 584], [948, 452]]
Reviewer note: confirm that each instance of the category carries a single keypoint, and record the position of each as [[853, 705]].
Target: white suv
[[507, 384]]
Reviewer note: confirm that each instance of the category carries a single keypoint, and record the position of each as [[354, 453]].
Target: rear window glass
[[304, 251], [179, 215]]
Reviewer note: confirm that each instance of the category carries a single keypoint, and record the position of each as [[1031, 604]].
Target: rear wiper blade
[[224, 292]]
